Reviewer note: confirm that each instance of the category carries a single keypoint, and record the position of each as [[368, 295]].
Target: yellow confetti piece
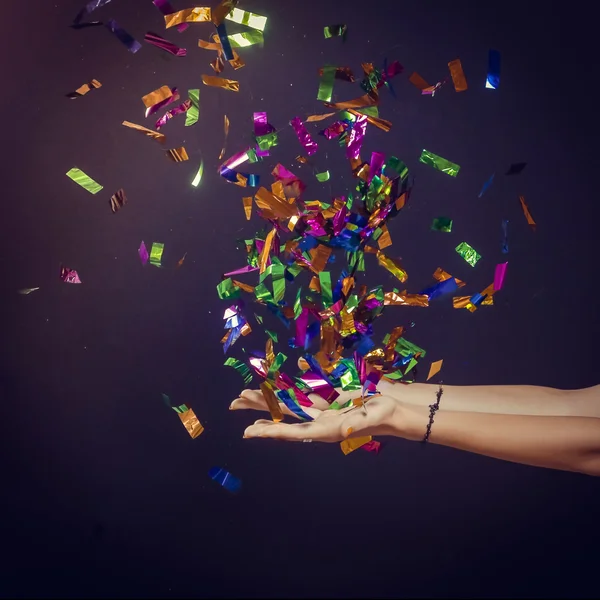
[[435, 368], [352, 444]]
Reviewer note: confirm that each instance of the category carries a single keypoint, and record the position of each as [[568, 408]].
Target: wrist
[[410, 421]]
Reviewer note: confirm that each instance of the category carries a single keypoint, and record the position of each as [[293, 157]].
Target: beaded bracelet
[[433, 408]]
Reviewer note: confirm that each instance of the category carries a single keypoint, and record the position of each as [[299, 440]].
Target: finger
[[283, 431], [245, 404], [255, 399]]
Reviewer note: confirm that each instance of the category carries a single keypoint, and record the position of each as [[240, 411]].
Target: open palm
[[328, 425]]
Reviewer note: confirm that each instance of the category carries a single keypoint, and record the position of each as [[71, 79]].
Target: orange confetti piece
[[247, 207], [435, 368], [458, 75], [527, 213], [221, 82], [418, 81]]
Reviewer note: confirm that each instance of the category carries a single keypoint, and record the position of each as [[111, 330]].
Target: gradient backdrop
[[103, 492]]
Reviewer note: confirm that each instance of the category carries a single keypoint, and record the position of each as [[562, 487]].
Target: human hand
[[381, 415]]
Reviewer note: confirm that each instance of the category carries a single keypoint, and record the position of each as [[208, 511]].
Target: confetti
[[193, 112], [504, 236], [247, 207], [486, 185], [226, 84], [465, 302], [225, 479], [326, 84], [439, 163], [189, 419], [156, 252], [166, 9], [84, 89], [493, 77], [86, 182], [153, 98], [468, 253], [69, 275], [303, 136], [27, 291], [372, 446], [516, 168], [165, 45], [143, 253], [132, 44], [198, 177], [527, 213], [189, 15], [418, 81], [335, 31], [243, 17], [315, 118], [499, 275], [181, 261], [90, 7], [177, 154], [458, 75], [352, 444], [118, 200], [241, 368], [322, 177], [183, 107], [435, 368], [159, 137], [245, 39], [442, 224]]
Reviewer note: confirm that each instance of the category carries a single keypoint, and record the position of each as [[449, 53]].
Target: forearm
[[565, 443], [501, 399]]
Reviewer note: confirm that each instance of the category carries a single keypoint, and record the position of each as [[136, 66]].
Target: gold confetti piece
[[352, 444], [162, 93], [243, 286], [264, 256], [418, 81], [117, 200], [361, 102], [272, 206], [465, 302], [319, 257], [84, 89], [404, 299], [384, 240], [301, 159], [441, 275], [222, 9], [178, 154], [527, 213], [191, 423], [199, 14], [155, 135], [272, 402], [226, 131], [315, 118], [375, 121], [220, 82], [210, 45], [458, 75], [435, 368], [248, 207]]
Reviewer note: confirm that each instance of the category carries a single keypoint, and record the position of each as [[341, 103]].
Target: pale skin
[[538, 426]]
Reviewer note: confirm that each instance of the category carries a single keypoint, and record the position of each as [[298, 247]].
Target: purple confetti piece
[[163, 44], [143, 253], [183, 107], [303, 136], [377, 161], [132, 44], [166, 9], [499, 275], [356, 136]]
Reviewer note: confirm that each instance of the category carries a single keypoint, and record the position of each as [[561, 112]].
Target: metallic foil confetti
[[442, 224], [303, 136], [193, 112], [435, 368], [118, 200], [198, 177], [241, 368], [225, 479], [335, 31], [465, 302], [190, 421], [439, 163], [199, 14], [322, 176], [325, 91], [162, 93], [245, 39], [143, 253], [248, 207], [272, 402], [418, 81], [468, 253], [184, 107], [94, 84], [315, 118], [504, 236], [226, 84], [69, 275], [159, 137], [458, 75], [27, 291], [492, 80], [132, 44], [243, 17], [166, 45], [352, 444], [156, 252], [177, 154], [499, 275], [486, 185], [85, 181], [166, 9], [527, 213]]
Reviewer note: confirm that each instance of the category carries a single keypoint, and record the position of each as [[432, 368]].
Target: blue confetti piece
[[225, 479]]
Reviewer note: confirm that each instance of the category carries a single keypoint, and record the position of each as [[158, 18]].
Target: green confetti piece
[[252, 156], [326, 291], [406, 348], [261, 291], [394, 163], [258, 318], [193, 112], [227, 290], [243, 17], [442, 224], [276, 365], [180, 409], [272, 335], [267, 141], [241, 368], [278, 277], [350, 380], [85, 181], [335, 31], [198, 177], [395, 375], [326, 84], [370, 111], [156, 253], [439, 163], [468, 253], [322, 177], [298, 304], [246, 38]]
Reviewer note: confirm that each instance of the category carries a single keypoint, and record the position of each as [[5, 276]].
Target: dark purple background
[[103, 492]]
